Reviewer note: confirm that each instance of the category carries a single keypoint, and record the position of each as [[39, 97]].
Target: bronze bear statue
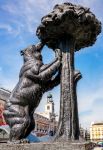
[[35, 79]]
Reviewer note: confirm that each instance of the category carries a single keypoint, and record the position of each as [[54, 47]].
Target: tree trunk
[[68, 120]]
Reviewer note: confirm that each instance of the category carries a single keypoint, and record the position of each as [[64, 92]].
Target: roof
[[97, 123], [4, 94], [37, 115]]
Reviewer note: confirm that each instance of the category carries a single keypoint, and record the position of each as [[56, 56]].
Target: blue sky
[[18, 23]]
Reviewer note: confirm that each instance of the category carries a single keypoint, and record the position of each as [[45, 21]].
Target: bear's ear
[[21, 52]]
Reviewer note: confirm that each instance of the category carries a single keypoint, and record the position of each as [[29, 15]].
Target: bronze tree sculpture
[[70, 28], [35, 78]]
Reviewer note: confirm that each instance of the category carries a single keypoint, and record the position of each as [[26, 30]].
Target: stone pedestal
[[48, 146]]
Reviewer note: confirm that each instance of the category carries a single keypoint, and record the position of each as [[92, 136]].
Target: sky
[[18, 22]]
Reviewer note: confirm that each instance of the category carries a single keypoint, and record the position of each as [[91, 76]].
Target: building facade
[[96, 132], [4, 94]]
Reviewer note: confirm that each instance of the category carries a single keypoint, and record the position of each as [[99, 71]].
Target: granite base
[[48, 146]]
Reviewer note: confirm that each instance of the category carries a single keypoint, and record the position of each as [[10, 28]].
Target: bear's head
[[31, 53]]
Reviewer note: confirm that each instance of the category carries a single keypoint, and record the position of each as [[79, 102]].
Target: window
[[48, 107]]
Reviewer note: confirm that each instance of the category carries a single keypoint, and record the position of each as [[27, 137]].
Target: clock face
[[48, 107]]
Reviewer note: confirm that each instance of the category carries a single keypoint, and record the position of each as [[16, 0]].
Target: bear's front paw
[[58, 53]]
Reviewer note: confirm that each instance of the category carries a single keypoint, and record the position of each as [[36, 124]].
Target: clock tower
[[49, 107]]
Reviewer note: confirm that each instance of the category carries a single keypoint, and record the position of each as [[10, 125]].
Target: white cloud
[[30, 12], [10, 7], [9, 29], [88, 101], [6, 27], [95, 115], [9, 73], [88, 3], [7, 83]]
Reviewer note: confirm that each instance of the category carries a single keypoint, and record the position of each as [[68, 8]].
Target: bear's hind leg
[[18, 119], [18, 130]]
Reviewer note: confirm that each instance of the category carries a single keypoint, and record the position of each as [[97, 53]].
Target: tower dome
[[49, 98], [49, 95]]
